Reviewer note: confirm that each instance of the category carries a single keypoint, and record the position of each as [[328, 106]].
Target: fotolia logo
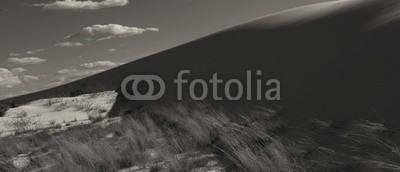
[[149, 79], [272, 93]]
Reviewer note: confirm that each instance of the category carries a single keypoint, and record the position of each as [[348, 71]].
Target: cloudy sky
[[44, 43]]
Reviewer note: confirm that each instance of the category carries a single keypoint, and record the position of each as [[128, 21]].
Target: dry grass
[[176, 129], [241, 144], [348, 146], [187, 136]]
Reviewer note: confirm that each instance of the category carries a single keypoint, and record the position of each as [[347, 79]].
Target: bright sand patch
[[53, 112]]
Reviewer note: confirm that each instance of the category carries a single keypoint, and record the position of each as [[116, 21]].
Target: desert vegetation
[[199, 137], [90, 103], [20, 122], [56, 114]]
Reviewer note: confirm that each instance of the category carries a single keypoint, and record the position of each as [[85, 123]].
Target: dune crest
[[330, 62]]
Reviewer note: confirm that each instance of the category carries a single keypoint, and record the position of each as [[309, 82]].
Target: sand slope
[[335, 60]]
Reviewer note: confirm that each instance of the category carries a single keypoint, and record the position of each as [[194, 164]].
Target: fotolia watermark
[[149, 79], [268, 90]]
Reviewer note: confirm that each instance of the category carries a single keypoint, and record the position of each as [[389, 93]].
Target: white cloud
[[18, 70], [69, 44], [8, 79], [34, 51], [103, 32], [29, 77], [26, 60], [56, 82], [14, 54], [112, 50], [82, 5], [71, 72], [99, 64], [153, 29], [14, 77], [29, 52], [83, 70]]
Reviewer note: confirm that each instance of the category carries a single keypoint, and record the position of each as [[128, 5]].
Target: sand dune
[[335, 60]]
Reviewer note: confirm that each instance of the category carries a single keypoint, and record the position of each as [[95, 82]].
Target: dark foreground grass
[[190, 136]]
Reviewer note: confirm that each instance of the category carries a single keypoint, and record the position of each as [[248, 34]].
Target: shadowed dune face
[[336, 60]]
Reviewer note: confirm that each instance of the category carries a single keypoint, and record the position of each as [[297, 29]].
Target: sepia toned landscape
[[317, 89]]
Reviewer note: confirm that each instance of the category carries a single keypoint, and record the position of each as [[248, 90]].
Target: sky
[[45, 43]]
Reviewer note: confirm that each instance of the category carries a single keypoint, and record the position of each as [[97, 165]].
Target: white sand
[[57, 112]]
